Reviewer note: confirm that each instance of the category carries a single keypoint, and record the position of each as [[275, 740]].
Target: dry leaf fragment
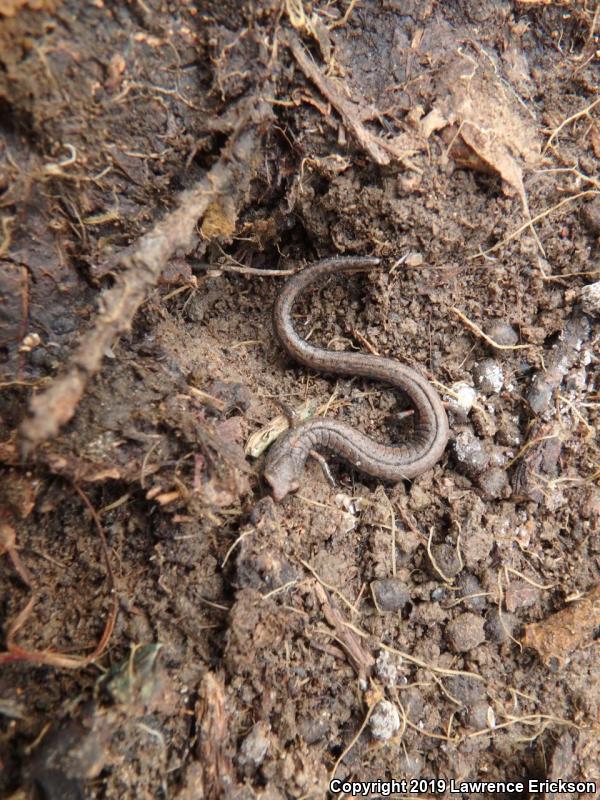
[[484, 129]]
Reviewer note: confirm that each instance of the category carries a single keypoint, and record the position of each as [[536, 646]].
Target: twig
[[392, 535], [476, 329], [331, 588], [373, 146], [228, 178], [267, 273]]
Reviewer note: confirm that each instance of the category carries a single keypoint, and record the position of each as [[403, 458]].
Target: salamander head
[[281, 471]]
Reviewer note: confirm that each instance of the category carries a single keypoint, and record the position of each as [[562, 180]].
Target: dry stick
[[476, 329], [229, 177], [267, 273], [348, 110], [392, 536]]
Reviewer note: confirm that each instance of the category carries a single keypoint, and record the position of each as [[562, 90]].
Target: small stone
[[502, 333], [386, 668], [472, 591], [493, 482], [314, 727], [390, 594], [465, 632], [462, 398], [539, 393], [590, 299], [479, 716], [499, 630], [384, 721], [446, 559], [65, 323], [509, 433], [254, 747], [413, 260], [467, 690], [470, 453], [520, 594], [488, 376], [30, 342]]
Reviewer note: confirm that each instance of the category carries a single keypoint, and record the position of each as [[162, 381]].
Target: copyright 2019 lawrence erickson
[[418, 786]]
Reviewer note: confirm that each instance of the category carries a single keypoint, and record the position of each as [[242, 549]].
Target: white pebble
[[386, 668], [254, 747], [489, 376], [385, 720], [463, 397], [590, 299]]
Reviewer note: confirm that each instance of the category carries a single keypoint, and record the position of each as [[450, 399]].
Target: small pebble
[[419, 499], [488, 376], [470, 585], [64, 323], [413, 260], [500, 630], [384, 721], [520, 594], [467, 690], [462, 398], [509, 433], [386, 668], [314, 728], [470, 453], [30, 342], [539, 393], [390, 594], [590, 299], [479, 716], [502, 333], [254, 747], [465, 632], [446, 559], [493, 482]]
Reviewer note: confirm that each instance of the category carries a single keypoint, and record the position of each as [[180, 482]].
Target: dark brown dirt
[[252, 641]]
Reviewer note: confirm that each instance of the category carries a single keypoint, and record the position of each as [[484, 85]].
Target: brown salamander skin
[[287, 457]]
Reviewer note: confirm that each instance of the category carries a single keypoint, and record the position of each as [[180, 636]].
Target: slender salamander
[[287, 457]]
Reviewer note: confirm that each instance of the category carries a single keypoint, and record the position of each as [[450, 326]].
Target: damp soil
[[166, 629]]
